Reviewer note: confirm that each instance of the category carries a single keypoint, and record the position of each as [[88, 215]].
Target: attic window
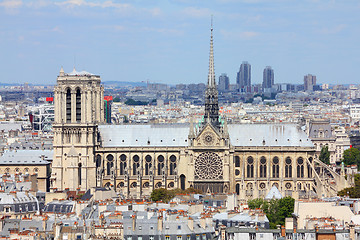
[[161, 140], [123, 140], [136, 140], [185, 140], [174, 140]]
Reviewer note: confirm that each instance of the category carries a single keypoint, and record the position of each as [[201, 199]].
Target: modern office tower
[[309, 82], [243, 79], [268, 77], [224, 82]]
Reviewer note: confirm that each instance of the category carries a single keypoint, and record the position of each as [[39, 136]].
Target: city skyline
[[154, 40]]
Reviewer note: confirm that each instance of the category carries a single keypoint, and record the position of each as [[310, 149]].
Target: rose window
[[208, 166], [208, 138]]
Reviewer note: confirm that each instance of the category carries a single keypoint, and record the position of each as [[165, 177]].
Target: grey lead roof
[[176, 135], [26, 157]]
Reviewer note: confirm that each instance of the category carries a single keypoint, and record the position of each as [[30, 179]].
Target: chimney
[[209, 221], [57, 229], [222, 232], [352, 231], [133, 222], [160, 223], [203, 222], [283, 231], [191, 224], [33, 180]]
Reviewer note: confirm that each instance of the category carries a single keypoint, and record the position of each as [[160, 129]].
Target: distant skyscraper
[[309, 82], [224, 82], [268, 77], [243, 79]]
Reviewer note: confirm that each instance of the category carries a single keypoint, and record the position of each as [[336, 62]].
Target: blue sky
[[167, 41]]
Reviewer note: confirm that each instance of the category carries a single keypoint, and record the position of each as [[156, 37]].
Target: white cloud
[[239, 35], [196, 12], [168, 31], [333, 30], [11, 4], [102, 4]]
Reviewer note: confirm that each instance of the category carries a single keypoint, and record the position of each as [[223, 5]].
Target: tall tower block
[[79, 108]]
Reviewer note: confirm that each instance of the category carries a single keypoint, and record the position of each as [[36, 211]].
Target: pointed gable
[[274, 193]]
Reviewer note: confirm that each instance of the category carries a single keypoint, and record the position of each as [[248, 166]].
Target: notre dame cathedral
[[210, 155]]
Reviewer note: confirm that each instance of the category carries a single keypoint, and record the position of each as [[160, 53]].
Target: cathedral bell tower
[[79, 108]]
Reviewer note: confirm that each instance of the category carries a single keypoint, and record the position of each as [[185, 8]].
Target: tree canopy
[[164, 195], [325, 155], [351, 156], [276, 210], [353, 192], [132, 102]]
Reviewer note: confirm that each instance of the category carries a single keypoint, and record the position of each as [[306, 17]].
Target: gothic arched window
[[250, 167], [136, 164], [237, 161], [160, 164], [275, 167], [262, 167], [68, 105], [109, 166], [288, 167], [122, 164], [300, 167], [309, 170], [78, 105], [172, 164], [147, 164], [98, 161]]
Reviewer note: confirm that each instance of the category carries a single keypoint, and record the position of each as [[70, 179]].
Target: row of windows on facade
[[18, 170], [144, 185], [168, 237], [264, 186], [275, 168], [148, 164]]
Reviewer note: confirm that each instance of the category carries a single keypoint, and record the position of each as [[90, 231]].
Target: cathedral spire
[[211, 76], [211, 115]]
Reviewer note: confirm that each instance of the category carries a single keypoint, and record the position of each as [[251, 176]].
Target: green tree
[[256, 203], [132, 102], [351, 156], [164, 195], [160, 194], [276, 210], [116, 99], [325, 155], [353, 192]]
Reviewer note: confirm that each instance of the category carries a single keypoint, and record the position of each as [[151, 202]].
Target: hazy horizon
[[168, 41]]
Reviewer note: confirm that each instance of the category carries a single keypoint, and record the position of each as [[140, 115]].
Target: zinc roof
[[176, 135]]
